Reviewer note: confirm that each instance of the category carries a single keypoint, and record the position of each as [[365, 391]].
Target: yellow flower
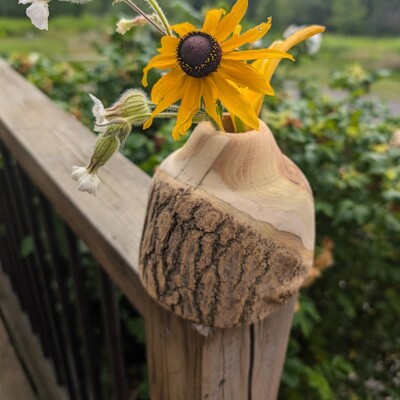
[[268, 67], [206, 66]]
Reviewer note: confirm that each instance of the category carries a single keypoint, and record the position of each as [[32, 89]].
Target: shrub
[[346, 334]]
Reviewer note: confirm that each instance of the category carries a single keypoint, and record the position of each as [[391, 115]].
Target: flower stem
[[239, 125], [146, 17], [158, 10]]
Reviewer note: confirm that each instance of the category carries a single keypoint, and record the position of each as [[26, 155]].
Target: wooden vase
[[229, 231]]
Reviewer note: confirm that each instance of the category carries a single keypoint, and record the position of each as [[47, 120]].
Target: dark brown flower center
[[199, 54]]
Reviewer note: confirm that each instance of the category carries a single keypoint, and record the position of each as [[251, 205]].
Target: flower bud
[[105, 147], [120, 130], [133, 105], [124, 25]]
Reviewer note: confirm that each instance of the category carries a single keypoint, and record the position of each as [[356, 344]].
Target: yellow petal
[[161, 61], [244, 75], [268, 67], [183, 29], [256, 54], [212, 20], [234, 101], [237, 30], [231, 20], [170, 97], [166, 83], [210, 100], [250, 36], [300, 36], [169, 44], [190, 103]]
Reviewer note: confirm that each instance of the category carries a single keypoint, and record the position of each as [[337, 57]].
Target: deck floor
[[14, 385]]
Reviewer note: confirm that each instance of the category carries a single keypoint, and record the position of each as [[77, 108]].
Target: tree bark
[[229, 231]]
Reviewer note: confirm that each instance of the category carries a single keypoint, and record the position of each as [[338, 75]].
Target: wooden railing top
[[47, 142]]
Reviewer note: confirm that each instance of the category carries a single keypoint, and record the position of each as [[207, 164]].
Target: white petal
[[38, 12], [26, 1], [89, 183], [98, 109], [101, 129], [314, 43], [78, 173]]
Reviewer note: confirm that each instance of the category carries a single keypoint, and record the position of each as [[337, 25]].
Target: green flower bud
[[120, 129], [105, 147], [133, 106]]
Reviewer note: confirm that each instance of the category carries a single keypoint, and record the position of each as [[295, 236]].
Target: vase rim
[[262, 127]]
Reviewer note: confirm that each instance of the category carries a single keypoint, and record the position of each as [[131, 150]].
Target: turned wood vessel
[[229, 231]]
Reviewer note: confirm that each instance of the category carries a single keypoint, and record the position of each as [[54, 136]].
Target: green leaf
[[319, 383], [26, 247]]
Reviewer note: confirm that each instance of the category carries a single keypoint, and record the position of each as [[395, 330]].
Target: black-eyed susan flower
[[267, 67], [206, 66]]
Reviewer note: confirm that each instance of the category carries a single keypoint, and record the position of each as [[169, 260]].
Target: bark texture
[[212, 264]]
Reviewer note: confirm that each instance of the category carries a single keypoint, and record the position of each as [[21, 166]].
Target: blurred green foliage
[[346, 336], [366, 17], [345, 342]]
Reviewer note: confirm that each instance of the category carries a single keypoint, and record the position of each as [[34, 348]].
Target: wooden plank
[[41, 371], [14, 385], [47, 142], [186, 361]]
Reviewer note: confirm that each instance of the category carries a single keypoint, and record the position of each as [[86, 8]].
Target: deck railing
[[43, 277]]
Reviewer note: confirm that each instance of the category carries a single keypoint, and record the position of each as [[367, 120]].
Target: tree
[[349, 16]]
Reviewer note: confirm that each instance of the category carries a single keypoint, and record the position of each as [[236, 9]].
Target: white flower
[[38, 12], [99, 113], [313, 43], [87, 182], [78, 173], [124, 25]]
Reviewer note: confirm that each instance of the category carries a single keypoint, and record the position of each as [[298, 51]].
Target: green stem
[[144, 15], [158, 10], [240, 125]]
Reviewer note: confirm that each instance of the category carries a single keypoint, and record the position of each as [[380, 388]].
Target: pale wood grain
[[47, 142], [14, 384], [249, 172], [243, 363], [42, 372]]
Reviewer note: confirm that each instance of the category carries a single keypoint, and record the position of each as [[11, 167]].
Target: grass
[[67, 38], [338, 51], [71, 38]]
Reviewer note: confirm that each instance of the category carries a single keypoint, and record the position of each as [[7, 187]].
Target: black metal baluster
[[23, 267], [33, 268], [7, 255], [84, 316], [112, 328], [11, 241], [44, 280], [67, 319]]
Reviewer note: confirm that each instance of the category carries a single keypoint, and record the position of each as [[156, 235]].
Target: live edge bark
[[229, 231]]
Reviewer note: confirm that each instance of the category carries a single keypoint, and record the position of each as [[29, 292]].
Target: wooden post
[[189, 362], [227, 243]]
